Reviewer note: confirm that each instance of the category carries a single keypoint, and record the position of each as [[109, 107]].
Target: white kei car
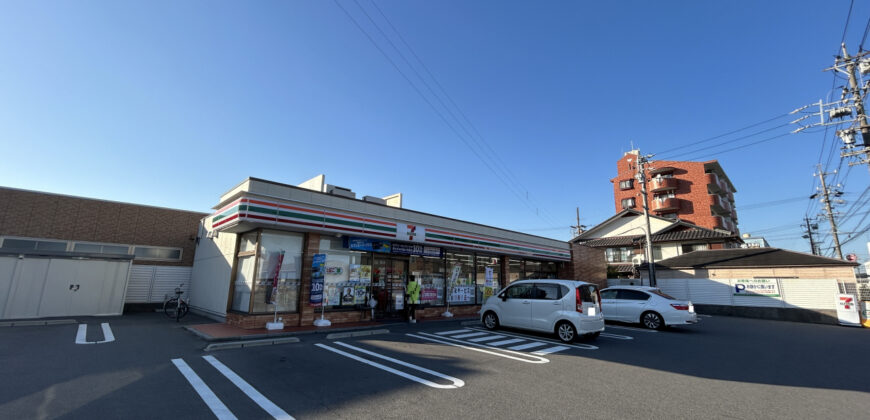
[[568, 308], [647, 306]]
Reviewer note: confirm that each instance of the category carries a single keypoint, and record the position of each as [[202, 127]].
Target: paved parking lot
[[723, 368]]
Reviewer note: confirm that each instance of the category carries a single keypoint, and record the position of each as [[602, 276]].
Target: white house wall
[[212, 270], [630, 226], [794, 293]]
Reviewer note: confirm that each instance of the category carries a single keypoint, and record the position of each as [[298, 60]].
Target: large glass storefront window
[[460, 283], [515, 270], [272, 244], [347, 279], [488, 277], [429, 271], [244, 282], [540, 270], [532, 269]]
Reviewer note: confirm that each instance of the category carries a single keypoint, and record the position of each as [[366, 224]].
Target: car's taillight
[[680, 307], [579, 300]]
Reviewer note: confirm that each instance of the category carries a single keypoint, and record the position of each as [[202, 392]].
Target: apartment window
[[657, 252], [693, 247], [628, 203], [626, 184]]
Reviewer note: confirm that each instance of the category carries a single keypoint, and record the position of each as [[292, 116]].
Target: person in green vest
[[412, 296]]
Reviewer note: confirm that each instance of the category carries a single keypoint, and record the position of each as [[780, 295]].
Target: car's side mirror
[[503, 298]]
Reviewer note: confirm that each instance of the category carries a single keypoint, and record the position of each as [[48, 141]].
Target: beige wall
[[843, 273]]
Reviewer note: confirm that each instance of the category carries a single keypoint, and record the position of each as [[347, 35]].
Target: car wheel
[[566, 332], [652, 320], [490, 320]]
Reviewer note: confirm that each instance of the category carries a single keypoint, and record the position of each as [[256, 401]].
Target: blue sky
[[173, 103]]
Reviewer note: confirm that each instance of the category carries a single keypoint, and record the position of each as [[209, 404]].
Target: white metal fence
[[793, 293], [154, 283]]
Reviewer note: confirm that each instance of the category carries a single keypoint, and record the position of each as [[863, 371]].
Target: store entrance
[[388, 286]]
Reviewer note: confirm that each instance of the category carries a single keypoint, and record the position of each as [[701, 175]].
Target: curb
[[37, 323], [250, 343], [356, 333], [276, 335]]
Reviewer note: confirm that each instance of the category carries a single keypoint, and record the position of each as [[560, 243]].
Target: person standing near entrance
[[412, 296]]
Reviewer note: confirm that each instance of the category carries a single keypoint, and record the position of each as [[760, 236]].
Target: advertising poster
[[359, 295], [755, 287], [317, 268], [429, 294], [365, 274], [347, 295], [354, 273], [488, 284], [400, 302], [333, 294]]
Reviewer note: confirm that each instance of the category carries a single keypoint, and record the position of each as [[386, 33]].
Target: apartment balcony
[[666, 205], [713, 185], [734, 214], [663, 184], [730, 197], [720, 205], [723, 186]]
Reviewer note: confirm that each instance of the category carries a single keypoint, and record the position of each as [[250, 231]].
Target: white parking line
[[550, 350], [264, 403], [632, 329], [531, 345], [487, 338], [617, 336], [574, 345], [503, 342], [482, 347], [208, 397], [453, 331], [457, 383], [82, 333], [705, 316], [469, 335]]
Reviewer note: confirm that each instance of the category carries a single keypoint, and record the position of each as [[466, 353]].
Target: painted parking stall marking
[[82, 333], [217, 407], [549, 350], [482, 348], [474, 334], [455, 382], [464, 330], [529, 345], [617, 336], [486, 338], [544, 341]]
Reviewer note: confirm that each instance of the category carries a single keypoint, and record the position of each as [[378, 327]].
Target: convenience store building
[[266, 237]]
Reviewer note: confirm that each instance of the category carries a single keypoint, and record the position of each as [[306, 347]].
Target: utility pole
[[810, 227], [641, 179], [826, 198], [848, 64], [578, 228]]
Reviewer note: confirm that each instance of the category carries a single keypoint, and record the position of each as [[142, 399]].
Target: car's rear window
[[662, 294], [587, 293]]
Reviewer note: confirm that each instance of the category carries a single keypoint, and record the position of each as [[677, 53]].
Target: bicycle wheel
[[170, 307], [183, 309]]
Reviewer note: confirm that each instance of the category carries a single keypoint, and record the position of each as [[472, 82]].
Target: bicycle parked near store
[[176, 307]]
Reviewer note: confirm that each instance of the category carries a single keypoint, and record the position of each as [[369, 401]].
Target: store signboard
[[847, 310], [412, 233], [755, 287], [414, 249], [317, 274], [366, 244]]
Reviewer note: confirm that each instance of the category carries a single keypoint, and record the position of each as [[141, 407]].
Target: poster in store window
[[359, 295], [488, 284], [365, 274], [354, 273]]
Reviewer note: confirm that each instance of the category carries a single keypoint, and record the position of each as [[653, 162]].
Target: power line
[[848, 18], [740, 147], [723, 135], [431, 105], [671, 157], [864, 38], [771, 203]]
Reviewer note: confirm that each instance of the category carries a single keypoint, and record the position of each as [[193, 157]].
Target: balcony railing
[[663, 184], [720, 205], [713, 185], [666, 205]]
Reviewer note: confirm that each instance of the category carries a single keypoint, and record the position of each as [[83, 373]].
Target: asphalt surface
[[724, 367]]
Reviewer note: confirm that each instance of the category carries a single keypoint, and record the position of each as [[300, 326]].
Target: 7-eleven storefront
[[270, 241]]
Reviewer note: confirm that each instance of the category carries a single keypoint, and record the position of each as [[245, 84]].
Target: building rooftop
[[748, 257]]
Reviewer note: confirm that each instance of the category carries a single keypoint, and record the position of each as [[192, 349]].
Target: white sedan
[[647, 306]]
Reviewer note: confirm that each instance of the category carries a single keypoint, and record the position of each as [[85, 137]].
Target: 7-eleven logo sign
[[847, 302], [411, 233]]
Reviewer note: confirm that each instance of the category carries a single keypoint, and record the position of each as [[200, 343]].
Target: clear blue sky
[[172, 103]]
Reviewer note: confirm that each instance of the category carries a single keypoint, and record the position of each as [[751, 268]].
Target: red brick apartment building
[[696, 192]]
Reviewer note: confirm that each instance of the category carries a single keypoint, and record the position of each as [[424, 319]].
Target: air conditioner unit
[[637, 259]]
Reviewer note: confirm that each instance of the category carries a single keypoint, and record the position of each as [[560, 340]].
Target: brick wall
[[589, 264], [43, 215], [692, 191]]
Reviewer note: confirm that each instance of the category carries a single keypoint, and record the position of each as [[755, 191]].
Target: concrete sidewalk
[[222, 332]]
